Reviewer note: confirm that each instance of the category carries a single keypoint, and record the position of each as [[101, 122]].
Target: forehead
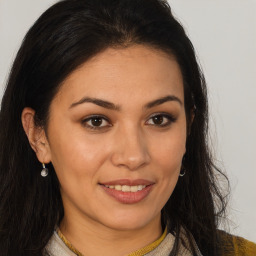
[[119, 73]]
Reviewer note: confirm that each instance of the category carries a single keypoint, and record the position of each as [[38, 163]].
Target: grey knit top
[[56, 247]]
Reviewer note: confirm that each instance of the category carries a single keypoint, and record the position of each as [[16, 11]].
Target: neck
[[92, 238]]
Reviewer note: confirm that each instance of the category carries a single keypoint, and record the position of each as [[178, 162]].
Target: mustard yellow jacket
[[237, 246]]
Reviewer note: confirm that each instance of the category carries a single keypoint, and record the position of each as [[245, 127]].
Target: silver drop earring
[[183, 173], [44, 171], [183, 170]]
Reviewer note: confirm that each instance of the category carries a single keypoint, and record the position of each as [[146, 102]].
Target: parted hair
[[64, 37]]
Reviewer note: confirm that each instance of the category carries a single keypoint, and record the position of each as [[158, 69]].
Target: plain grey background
[[224, 35]]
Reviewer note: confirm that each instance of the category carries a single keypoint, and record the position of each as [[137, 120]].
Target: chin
[[132, 221]]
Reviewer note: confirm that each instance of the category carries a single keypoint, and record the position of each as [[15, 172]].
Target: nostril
[[130, 162], [130, 151]]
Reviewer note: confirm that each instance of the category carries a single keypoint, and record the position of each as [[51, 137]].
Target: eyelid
[[96, 116], [88, 118], [171, 119]]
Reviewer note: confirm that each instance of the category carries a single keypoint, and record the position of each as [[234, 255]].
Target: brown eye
[[96, 121], [161, 120], [158, 120]]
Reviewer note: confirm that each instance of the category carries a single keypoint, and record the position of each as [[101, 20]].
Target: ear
[[36, 136]]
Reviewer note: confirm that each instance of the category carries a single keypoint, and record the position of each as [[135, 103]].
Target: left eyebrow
[[112, 106], [163, 100]]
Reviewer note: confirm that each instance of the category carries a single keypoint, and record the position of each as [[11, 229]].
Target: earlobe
[[36, 136]]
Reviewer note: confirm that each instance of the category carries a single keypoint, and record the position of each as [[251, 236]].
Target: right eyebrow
[[99, 102]]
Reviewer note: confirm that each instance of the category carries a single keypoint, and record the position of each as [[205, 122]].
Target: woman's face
[[117, 133]]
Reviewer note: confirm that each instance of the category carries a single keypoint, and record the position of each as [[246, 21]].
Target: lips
[[128, 182], [128, 191], [126, 188]]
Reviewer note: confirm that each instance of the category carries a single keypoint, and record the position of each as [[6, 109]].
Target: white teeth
[[126, 188], [134, 188], [140, 187], [118, 187]]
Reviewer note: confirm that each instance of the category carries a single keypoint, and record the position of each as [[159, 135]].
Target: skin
[[129, 144]]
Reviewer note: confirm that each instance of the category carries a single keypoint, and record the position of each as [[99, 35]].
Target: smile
[[128, 191], [126, 188]]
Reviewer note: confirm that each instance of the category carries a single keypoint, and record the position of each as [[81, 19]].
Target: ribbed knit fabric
[[236, 246], [232, 246], [56, 247]]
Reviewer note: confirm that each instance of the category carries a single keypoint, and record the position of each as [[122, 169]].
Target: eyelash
[[88, 119], [170, 119]]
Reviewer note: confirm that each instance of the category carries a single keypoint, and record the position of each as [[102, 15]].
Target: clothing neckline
[[139, 252]]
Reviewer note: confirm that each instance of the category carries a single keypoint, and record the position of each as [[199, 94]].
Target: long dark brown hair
[[65, 36]]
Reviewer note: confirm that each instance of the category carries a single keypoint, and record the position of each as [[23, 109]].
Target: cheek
[[169, 150], [75, 156], [167, 160]]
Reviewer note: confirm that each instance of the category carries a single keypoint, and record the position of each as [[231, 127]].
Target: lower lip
[[128, 197]]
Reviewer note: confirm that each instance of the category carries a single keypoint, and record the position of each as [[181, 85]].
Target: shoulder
[[235, 245], [56, 247]]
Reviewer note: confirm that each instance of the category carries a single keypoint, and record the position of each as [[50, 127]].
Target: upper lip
[[128, 182]]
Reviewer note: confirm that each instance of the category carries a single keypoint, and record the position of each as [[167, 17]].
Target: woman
[[104, 138]]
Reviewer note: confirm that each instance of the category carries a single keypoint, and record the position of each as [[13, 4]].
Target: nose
[[130, 150]]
